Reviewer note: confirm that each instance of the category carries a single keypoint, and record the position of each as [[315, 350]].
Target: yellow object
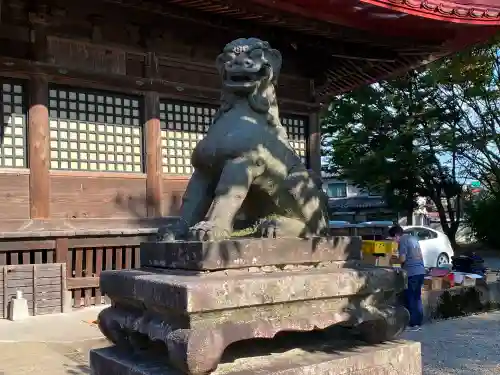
[[379, 247]]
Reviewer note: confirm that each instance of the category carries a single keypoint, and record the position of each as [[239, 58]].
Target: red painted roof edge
[[445, 10]]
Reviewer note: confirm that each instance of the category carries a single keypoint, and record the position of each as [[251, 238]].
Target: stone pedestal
[[341, 358], [191, 300]]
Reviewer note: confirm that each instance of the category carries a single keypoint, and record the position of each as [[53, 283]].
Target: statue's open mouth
[[241, 79]]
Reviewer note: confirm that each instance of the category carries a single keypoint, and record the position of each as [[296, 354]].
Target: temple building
[[103, 101]]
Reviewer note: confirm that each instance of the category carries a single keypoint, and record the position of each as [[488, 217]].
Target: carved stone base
[[192, 317], [335, 358], [198, 349]]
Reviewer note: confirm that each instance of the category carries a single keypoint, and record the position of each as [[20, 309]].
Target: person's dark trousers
[[413, 297]]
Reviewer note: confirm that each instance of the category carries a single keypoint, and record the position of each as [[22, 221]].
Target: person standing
[[411, 260]]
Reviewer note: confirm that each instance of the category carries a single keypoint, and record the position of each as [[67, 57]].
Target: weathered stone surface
[[189, 291], [248, 252], [246, 163], [195, 344], [332, 358], [197, 315]]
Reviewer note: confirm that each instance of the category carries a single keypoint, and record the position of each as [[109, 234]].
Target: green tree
[[421, 133], [469, 84], [395, 137]]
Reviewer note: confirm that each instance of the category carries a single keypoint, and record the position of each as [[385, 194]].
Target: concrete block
[[67, 302], [18, 307]]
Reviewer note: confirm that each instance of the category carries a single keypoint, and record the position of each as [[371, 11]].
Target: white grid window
[[296, 128], [184, 124], [94, 131], [13, 131]]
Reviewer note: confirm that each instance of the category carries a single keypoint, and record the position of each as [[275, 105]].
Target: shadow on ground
[[78, 354]]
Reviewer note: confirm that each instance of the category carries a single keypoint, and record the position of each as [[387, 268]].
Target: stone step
[[191, 291], [403, 357], [248, 252]]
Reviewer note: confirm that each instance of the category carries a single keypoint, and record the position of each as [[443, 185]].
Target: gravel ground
[[464, 346]]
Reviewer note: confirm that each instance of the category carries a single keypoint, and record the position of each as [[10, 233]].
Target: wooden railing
[[86, 255]]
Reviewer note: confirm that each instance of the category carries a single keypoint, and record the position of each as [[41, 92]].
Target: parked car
[[333, 223], [377, 223], [436, 248]]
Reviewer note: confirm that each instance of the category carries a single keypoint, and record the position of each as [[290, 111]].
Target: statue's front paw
[[172, 232], [208, 231], [269, 228]]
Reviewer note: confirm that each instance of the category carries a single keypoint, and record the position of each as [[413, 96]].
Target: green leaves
[[421, 133]]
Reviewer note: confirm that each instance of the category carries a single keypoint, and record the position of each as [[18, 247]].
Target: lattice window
[[94, 131], [296, 128], [184, 124], [13, 131]]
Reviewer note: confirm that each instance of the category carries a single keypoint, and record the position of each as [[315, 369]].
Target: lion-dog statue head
[[250, 68]]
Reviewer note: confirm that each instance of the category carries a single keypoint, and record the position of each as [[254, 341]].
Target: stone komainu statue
[[246, 162]]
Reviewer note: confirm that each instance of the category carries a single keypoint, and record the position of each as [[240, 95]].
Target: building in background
[[347, 202]]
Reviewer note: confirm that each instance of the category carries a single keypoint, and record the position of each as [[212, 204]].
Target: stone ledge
[[191, 291], [248, 252], [399, 357], [96, 227]]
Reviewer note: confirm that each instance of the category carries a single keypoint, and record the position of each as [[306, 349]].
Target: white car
[[436, 248]]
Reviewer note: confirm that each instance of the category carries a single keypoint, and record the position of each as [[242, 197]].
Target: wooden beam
[[82, 282], [99, 242], [136, 85], [39, 148], [154, 167], [314, 141], [38, 126], [252, 13], [62, 250], [154, 175], [26, 245], [5, 291]]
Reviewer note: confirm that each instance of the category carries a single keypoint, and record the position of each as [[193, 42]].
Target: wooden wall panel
[[14, 196], [110, 52], [173, 190], [79, 196]]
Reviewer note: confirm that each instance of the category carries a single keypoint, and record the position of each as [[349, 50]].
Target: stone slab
[[338, 358], [248, 252], [190, 292]]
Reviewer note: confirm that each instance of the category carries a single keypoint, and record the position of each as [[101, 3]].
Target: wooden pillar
[[314, 143], [39, 148], [154, 167], [38, 121], [154, 176]]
